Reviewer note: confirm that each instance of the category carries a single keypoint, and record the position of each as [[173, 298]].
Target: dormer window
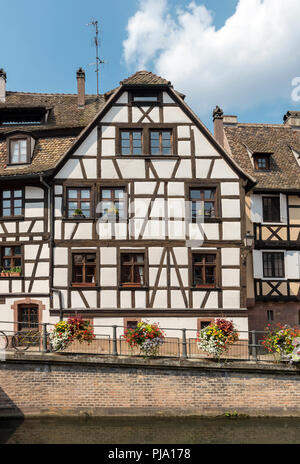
[[19, 149], [145, 97], [261, 161]]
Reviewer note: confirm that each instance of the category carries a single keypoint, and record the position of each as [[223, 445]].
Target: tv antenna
[[96, 42]]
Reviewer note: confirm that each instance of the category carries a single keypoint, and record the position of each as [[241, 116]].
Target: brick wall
[[131, 386]]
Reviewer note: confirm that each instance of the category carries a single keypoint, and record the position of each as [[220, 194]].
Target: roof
[[267, 138], [64, 111], [145, 78]]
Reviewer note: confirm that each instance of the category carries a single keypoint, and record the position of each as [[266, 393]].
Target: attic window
[[261, 161], [20, 116], [19, 149], [145, 97]]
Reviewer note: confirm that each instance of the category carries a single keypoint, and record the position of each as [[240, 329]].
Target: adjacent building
[[271, 154]]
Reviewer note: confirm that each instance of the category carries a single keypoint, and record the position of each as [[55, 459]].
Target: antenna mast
[[96, 42]]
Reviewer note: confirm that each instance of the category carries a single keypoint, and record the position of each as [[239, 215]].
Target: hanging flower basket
[[217, 337], [283, 342], [148, 337], [74, 328]]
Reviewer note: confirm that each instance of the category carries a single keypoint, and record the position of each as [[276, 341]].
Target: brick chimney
[[218, 125], [80, 74], [2, 85]]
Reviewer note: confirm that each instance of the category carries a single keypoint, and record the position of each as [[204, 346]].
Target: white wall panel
[[108, 299], [88, 146], [184, 170], [230, 256], [202, 146], [183, 132], [155, 255], [176, 188], [140, 299], [90, 166], [184, 147], [160, 299], [230, 277], [108, 147], [108, 170], [292, 270], [231, 208], [257, 264], [231, 231], [34, 210], [60, 277], [108, 277], [174, 114], [70, 170], [212, 301], [108, 131], [164, 168], [108, 255], [256, 208], [231, 299], [125, 299], [222, 170], [33, 192], [230, 188], [116, 114], [202, 168], [132, 169]]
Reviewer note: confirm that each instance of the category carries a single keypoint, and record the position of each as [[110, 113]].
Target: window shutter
[[256, 208], [283, 208], [257, 264]]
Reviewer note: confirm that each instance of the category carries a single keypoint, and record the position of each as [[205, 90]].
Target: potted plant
[[4, 273], [15, 271], [216, 338], [112, 213], [74, 328], [78, 213], [282, 341], [148, 337]]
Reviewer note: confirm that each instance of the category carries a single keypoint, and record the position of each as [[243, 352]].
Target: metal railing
[[178, 343]]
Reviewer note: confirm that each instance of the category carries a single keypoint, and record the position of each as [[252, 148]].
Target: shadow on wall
[[11, 417]]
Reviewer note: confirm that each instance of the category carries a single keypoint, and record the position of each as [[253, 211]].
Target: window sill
[[13, 218], [206, 219], [203, 288], [132, 287], [82, 285]]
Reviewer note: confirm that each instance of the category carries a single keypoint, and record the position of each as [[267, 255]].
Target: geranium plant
[[216, 338], [282, 340], [148, 337], [74, 328]]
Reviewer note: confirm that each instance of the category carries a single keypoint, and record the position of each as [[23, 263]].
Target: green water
[[148, 430]]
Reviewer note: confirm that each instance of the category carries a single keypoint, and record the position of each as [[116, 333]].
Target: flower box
[[14, 274], [4, 274]]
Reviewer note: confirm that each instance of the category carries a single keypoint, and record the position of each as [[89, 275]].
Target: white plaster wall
[[11, 227], [292, 270], [184, 147], [38, 227], [144, 187], [202, 146], [131, 169], [125, 299], [71, 170], [231, 299], [84, 231], [90, 166], [222, 170], [184, 169], [123, 98], [174, 114], [256, 208], [181, 254], [167, 98], [60, 277], [154, 230], [58, 189], [175, 188], [154, 255], [140, 299], [33, 192], [108, 299], [231, 231], [34, 210], [108, 131], [164, 168], [183, 132], [108, 170], [230, 256], [88, 146], [116, 114], [177, 300], [57, 232], [91, 298], [176, 230], [108, 277], [160, 300], [58, 207], [257, 264], [30, 251], [202, 168], [230, 188], [176, 208], [211, 231], [42, 270], [212, 301], [108, 255], [108, 147], [230, 277], [231, 208]]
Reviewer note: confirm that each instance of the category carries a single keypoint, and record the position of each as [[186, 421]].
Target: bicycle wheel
[[20, 341], [3, 341]]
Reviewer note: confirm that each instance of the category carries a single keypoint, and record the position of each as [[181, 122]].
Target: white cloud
[[250, 60]]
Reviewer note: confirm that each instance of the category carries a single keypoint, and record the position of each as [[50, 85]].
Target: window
[[28, 317], [131, 142], [204, 270], [161, 142], [203, 202], [113, 203], [144, 96], [11, 258], [78, 199], [132, 269], [270, 315], [273, 264], [18, 151], [204, 324], [84, 269], [261, 162], [12, 201], [271, 209]]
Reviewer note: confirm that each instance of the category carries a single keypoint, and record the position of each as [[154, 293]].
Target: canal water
[[146, 430]]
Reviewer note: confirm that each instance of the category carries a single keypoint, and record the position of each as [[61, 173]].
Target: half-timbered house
[[271, 154], [121, 207]]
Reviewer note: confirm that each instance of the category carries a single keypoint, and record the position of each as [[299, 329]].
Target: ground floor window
[[28, 317]]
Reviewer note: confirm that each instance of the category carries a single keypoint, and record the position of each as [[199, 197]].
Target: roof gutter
[[51, 245]]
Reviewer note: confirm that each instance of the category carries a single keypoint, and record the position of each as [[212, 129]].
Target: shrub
[[148, 337], [217, 337]]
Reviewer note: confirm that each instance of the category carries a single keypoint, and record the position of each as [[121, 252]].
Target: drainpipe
[[51, 244]]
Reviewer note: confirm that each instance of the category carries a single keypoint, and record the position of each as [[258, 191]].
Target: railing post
[[184, 350], [115, 349], [253, 344], [44, 338]]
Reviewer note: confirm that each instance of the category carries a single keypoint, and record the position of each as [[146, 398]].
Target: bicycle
[[22, 340], [3, 341]]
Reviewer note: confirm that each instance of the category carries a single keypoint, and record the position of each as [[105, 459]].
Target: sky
[[242, 55]]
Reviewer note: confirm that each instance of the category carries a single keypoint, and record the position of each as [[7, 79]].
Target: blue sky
[[239, 55]]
